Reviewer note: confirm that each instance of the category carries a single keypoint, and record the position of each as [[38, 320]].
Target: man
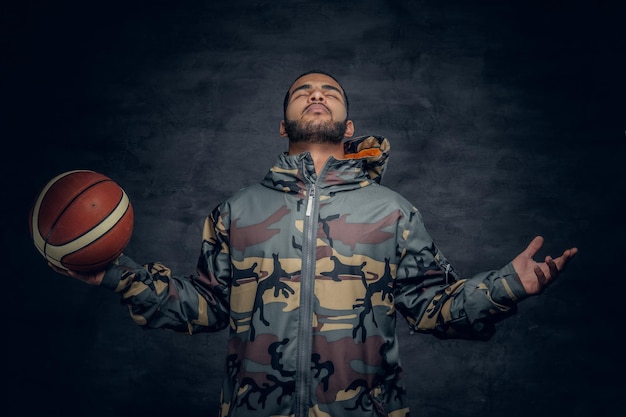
[[308, 269]]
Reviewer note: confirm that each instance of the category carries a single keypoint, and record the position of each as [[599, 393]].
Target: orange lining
[[363, 153]]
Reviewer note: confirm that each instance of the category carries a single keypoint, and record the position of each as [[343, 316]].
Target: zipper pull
[[309, 205]]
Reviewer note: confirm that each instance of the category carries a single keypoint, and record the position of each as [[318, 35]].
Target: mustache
[[315, 132]]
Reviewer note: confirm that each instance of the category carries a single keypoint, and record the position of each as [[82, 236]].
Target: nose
[[316, 95]]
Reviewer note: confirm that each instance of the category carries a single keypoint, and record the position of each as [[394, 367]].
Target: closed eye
[[305, 90]]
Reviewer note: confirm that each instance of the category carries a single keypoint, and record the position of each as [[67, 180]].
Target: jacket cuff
[[511, 284], [112, 277], [114, 272]]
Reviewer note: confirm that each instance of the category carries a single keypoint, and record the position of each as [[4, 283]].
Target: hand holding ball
[[81, 221]]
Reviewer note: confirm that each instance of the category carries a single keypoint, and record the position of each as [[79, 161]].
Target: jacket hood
[[365, 159], [374, 150]]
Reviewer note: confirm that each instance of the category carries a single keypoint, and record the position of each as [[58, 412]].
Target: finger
[[570, 253], [77, 275], [58, 269], [541, 277], [533, 247], [567, 256], [552, 267]]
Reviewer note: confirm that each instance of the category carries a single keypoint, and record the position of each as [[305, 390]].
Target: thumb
[[533, 247]]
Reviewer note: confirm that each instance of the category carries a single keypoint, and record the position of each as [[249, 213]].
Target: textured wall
[[506, 121]]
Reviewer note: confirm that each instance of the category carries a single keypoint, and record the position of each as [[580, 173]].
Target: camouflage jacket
[[309, 273]]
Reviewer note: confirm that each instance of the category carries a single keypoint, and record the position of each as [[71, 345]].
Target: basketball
[[81, 220]]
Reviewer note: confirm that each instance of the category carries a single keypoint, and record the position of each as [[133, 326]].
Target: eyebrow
[[324, 87]]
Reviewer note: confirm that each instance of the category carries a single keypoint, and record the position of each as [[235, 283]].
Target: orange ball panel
[[61, 194], [85, 212], [113, 243]]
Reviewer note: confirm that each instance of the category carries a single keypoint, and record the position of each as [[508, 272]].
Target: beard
[[319, 132]]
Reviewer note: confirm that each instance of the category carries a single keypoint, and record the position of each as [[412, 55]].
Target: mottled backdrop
[[506, 119]]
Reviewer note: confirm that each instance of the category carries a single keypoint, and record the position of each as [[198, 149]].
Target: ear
[[281, 130], [349, 129]]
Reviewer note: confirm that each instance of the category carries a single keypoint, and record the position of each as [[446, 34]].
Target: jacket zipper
[[305, 328]]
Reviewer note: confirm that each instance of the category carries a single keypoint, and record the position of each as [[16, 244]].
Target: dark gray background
[[506, 120]]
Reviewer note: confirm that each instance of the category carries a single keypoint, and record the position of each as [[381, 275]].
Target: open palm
[[536, 275]]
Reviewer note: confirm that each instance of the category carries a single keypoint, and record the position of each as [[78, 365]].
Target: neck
[[320, 152]]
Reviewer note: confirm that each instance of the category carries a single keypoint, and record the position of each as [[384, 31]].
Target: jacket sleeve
[[434, 299], [158, 299]]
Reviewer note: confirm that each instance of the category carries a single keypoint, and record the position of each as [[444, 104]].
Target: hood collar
[[373, 150], [365, 159]]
